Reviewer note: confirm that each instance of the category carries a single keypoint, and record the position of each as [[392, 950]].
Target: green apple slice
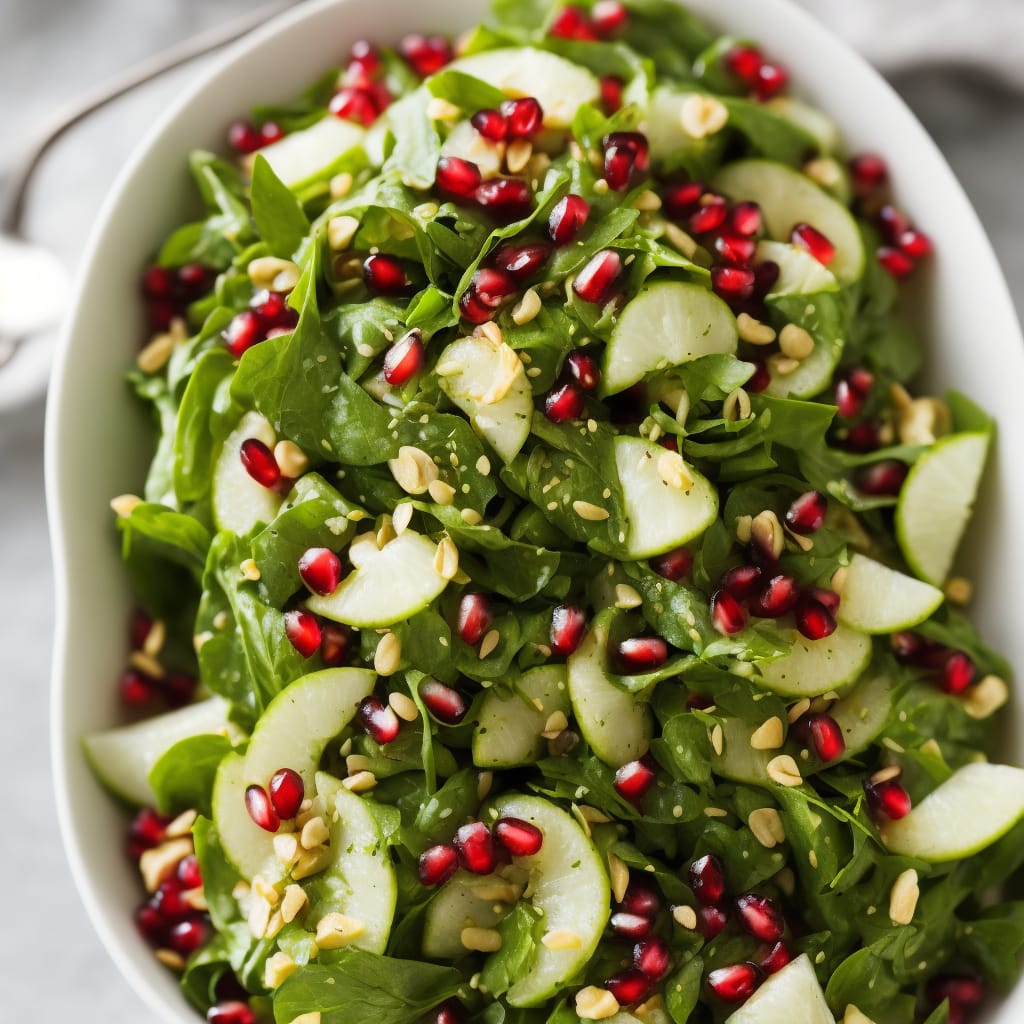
[[616, 725], [667, 324], [123, 757], [569, 885], [306, 152], [814, 667], [788, 198], [560, 86], [877, 599], [936, 501], [509, 726], [818, 125], [977, 805], [360, 882], [792, 995], [239, 502], [466, 143], [862, 713], [464, 901], [799, 272], [664, 126], [488, 382], [660, 516], [390, 586]]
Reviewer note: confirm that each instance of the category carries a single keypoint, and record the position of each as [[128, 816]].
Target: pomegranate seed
[[271, 132], [959, 989], [486, 293], [746, 220], [631, 926], [259, 462], [745, 63], [652, 958], [244, 137], [640, 898], [335, 643], [732, 283], [771, 80], [437, 864], [765, 276], [760, 916], [244, 331], [426, 55], [450, 1012], [735, 250], [915, 243], [806, 237], [864, 437], [170, 903], [707, 879], [505, 199], [596, 280], [563, 403], [735, 983], [448, 706], [378, 719], [760, 378], [148, 829], [573, 23], [320, 569], [642, 654], [457, 178], [807, 513], [957, 673], [161, 313], [584, 369], [681, 200], [728, 614], [519, 837], [709, 216], [475, 618], [151, 925], [568, 626], [673, 565], [522, 261], [742, 581], [188, 936], [881, 479], [158, 283], [895, 261], [611, 94], [568, 219], [849, 400], [364, 58], [475, 847], [633, 780], [608, 17], [776, 958], [826, 737], [354, 103], [188, 872], [490, 124], [230, 1012], [260, 809], [907, 647], [887, 799], [893, 222], [136, 689], [711, 921], [287, 791], [139, 625], [868, 174], [813, 619], [194, 279], [524, 117], [384, 274], [404, 359], [303, 631], [627, 157], [273, 310], [629, 987], [178, 688]]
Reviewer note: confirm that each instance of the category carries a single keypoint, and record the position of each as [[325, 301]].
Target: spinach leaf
[[279, 216], [182, 777]]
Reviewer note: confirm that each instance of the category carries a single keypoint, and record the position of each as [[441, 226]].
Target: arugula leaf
[[279, 216]]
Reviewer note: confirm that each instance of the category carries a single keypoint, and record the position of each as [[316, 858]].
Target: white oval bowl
[[98, 444]]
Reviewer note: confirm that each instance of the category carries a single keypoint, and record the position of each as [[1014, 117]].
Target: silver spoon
[[30, 274]]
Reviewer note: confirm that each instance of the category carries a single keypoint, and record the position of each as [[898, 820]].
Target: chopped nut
[[158, 864], [753, 331], [341, 231], [823, 171], [795, 342], [673, 471], [592, 815], [125, 504], [154, 357], [250, 570], [798, 710], [388, 655], [766, 531], [854, 1016], [648, 201], [441, 492], [414, 469], [986, 697], [518, 154], [471, 517], [783, 770], [402, 517], [903, 897], [403, 706], [446, 559], [768, 735], [562, 938], [169, 958], [685, 917], [496, 892], [619, 875], [484, 781], [592, 513], [439, 109], [361, 782], [259, 918], [314, 833], [293, 902], [736, 406], [196, 899], [290, 458], [340, 185], [919, 421], [893, 771], [181, 825], [781, 365], [334, 930], [556, 724], [527, 308], [481, 940], [489, 643], [717, 740], [265, 270], [386, 533], [680, 240], [627, 596], [766, 824], [286, 848], [262, 888], [313, 1017], [593, 1003], [702, 116], [959, 590], [743, 527], [279, 967], [357, 763]]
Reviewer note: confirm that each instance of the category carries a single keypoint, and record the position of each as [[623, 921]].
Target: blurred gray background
[[52, 967]]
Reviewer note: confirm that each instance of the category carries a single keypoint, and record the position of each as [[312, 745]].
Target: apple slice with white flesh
[[569, 884], [239, 502], [298, 156], [488, 382], [936, 501], [973, 808], [122, 757], [788, 198], [464, 901], [667, 502], [877, 599], [814, 667], [791, 995], [666, 324], [389, 586], [293, 732]]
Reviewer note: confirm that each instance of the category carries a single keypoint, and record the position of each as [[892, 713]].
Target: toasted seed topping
[[125, 504], [783, 770], [592, 815], [310, 862], [496, 892], [743, 527], [259, 918], [556, 724], [279, 967], [673, 471], [341, 231], [812, 859], [562, 938], [340, 185], [753, 331], [292, 903], [685, 917], [262, 888], [782, 365], [386, 532], [250, 570], [169, 958], [181, 825], [357, 763], [823, 171], [593, 1003], [155, 356], [158, 864], [648, 201], [518, 154], [290, 458], [471, 517], [272, 272], [402, 517], [627, 596], [903, 897], [314, 833], [736, 406], [313, 1017], [959, 590], [766, 824], [795, 342], [481, 940], [403, 706], [484, 781], [618, 873], [838, 581], [388, 655], [702, 116], [680, 240], [717, 740], [986, 697], [361, 782], [798, 710], [767, 532], [446, 559], [885, 775], [527, 308], [489, 643], [768, 735], [413, 470], [592, 513], [335, 930], [854, 1016]]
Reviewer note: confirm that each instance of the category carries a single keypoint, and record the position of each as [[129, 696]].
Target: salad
[[544, 568]]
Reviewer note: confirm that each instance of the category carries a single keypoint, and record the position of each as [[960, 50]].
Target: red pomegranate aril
[[868, 173], [488, 290], [771, 80], [151, 924], [524, 117], [519, 837], [139, 625], [652, 958], [273, 310], [260, 808], [271, 132], [765, 276], [437, 864], [760, 379], [573, 23], [633, 780], [188, 936], [303, 631], [775, 959], [426, 55], [732, 283], [136, 689], [887, 800], [475, 618], [287, 791], [640, 898], [829, 598], [335, 643], [707, 879], [673, 565], [864, 437], [760, 916], [680, 200], [735, 249], [354, 103], [629, 987], [259, 462], [893, 222], [161, 313], [709, 216], [735, 983], [907, 647], [849, 401], [505, 199], [384, 274], [364, 58], [631, 926], [475, 847], [148, 829], [728, 615], [320, 569], [490, 124], [745, 63], [188, 872], [450, 1012], [457, 177], [244, 137], [915, 244], [563, 403], [745, 219], [244, 331], [826, 737], [742, 581], [959, 989], [642, 654], [627, 157], [809, 238], [568, 627], [231, 1011], [807, 513], [611, 94], [158, 283], [404, 359], [608, 17], [448, 706], [881, 479], [957, 673], [177, 688], [895, 261], [595, 281], [170, 903], [194, 280], [379, 720], [583, 369], [522, 261], [813, 619], [568, 218], [711, 921]]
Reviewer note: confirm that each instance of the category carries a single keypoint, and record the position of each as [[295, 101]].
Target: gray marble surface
[[52, 966]]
